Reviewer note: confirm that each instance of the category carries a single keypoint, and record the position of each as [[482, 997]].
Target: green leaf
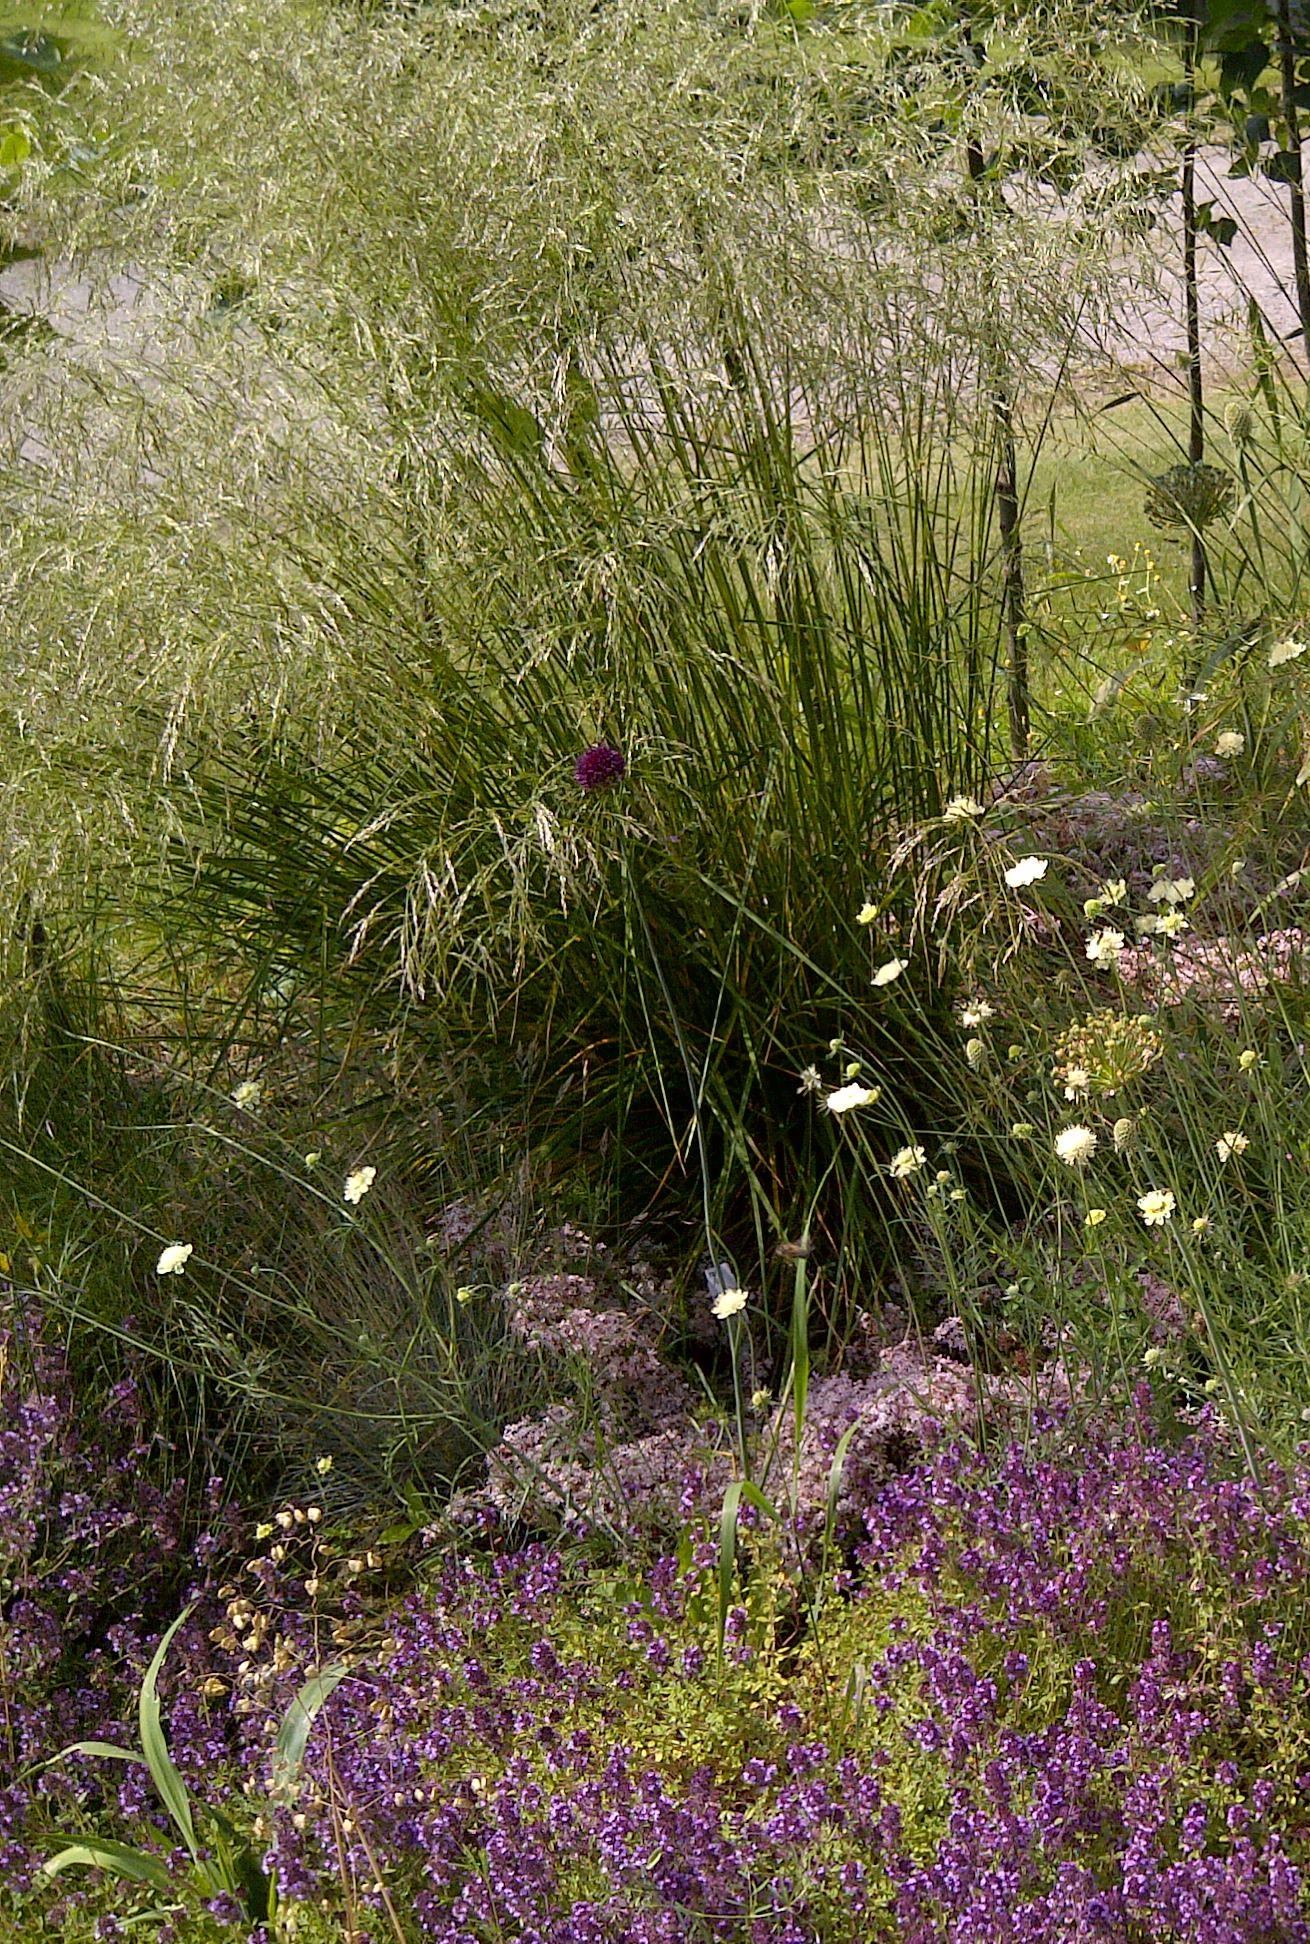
[[99, 1853], [107, 1749], [171, 1787], [740, 1488], [293, 1735]]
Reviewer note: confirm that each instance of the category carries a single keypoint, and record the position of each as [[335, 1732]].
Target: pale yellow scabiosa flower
[[960, 807], [1104, 947], [1094, 1217], [359, 1183], [729, 1302], [1116, 890], [1027, 871], [1247, 1058], [1201, 1226], [313, 1158], [1172, 924], [1171, 891], [906, 1161], [174, 1259], [1156, 1206], [1075, 1146], [1230, 1144], [1077, 1082], [1231, 743], [842, 1101], [866, 914], [1283, 652], [886, 973], [977, 1015], [248, 1095], [322, 1466]]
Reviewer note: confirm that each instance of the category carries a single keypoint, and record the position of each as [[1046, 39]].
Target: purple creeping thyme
[[1079, 1712]]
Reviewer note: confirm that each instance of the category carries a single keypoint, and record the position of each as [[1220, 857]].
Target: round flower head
[[906, 1161], [1027, 871], [248, 1095], [892, 970], [976, 1015], [1230, 1144], [845, 1098], [1075, 1146], [598, 765], [359, 1183], [1285, 651], [729, 1302], [1094, 1217], [1104, 947], [866, 914], [1156, 1206], [1231, 743], [1247, 1059], [961, 807], [174, 1259]]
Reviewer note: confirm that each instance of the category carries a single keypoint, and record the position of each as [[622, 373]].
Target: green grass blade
[[171, 1787]]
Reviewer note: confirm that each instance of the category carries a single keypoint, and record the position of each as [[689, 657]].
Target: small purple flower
[[597, 766]]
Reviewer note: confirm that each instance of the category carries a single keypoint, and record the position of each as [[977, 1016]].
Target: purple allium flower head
[[598, 765]]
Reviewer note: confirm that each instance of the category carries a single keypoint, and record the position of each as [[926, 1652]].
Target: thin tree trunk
[[1014, 616], [1292, 121], [1195, 386]]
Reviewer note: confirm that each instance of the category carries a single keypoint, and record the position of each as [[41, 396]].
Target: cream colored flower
[[977, 1015], [1285, 651], [174, 1259], [1231, 743], [313, 1158], [1231, 1144], [1171, 924], [248, 1095], [1077, 1082], [1156, 1206], [729, 1302], [854, 1068], [1247, 1058], [886, 973], [1116, 890], [960, 807], [906, 1161], [866, 914], [1171, 891], [359, 1183], [1201, 1226], [1027, 871], [1075, 1146], [323, 1466], [1104, 947], [761, 1400], [1094, 1217], [845, 1098], [1153, 1356]]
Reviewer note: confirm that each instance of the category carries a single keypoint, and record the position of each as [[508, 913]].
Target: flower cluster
[[1105, 1052]]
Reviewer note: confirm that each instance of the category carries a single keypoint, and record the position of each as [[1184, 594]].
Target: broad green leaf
[[107, 1749], [740, 1488], [293, 1735], [171, 1787], [99, 1853]]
